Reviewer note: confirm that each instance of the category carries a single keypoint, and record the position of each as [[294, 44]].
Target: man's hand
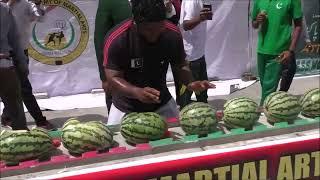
[[285, 57], [261, 17], [200, 86], [205, 14], [147, 95]]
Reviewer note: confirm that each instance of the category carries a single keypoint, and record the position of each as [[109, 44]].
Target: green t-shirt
[[109, 14], [275, 33]]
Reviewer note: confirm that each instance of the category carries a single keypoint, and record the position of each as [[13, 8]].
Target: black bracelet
[[292, 52]]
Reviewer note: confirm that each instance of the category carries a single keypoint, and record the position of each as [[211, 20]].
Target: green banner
[[308, 59]]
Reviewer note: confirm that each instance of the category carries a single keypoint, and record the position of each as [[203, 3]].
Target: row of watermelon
[[196, 118], [200, 118], [21, 145], [243, 112]]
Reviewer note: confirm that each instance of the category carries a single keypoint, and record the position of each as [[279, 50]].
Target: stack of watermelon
[[310, 103], [240, 113], [139, 128], [83, 137], [198, 118], [281, 107], [21, 145]]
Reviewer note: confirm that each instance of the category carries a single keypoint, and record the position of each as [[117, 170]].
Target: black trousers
[[10, 94], [199, 73], [28, 99], [288, 72], [108, 101]]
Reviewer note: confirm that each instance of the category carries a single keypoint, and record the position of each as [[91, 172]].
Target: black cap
[[148, 10]]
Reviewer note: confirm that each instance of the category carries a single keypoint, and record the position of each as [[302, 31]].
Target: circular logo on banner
[[62, 37]]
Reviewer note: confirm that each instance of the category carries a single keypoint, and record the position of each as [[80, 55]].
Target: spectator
[[193, 20], [137, 55], [10, 92], [277, 40], [109, 14], [25, 13]]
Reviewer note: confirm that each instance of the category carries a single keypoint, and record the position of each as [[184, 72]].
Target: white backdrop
[[227, 52]]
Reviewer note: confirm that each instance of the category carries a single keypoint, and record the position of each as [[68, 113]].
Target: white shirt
[[25, 13], [194, 40]]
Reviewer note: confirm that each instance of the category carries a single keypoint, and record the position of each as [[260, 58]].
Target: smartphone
[[208, 6]]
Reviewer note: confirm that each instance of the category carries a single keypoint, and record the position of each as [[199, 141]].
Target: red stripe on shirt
[[172, 27], [111, 38]]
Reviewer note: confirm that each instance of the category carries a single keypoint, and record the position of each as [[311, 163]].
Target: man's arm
[[103, 24], [296, 33], [254, 15], [115, 64], [297, 19], [19, 57], [120, 86], [297, 15], [193, 18], [36, 12], [180, 67], [183, 72]]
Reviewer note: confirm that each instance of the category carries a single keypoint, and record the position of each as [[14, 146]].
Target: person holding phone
[[193, 20], [277, 39]]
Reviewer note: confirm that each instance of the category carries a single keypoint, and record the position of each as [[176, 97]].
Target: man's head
[[149, 15]]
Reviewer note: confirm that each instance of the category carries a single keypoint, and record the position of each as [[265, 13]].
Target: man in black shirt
[[136, 58]]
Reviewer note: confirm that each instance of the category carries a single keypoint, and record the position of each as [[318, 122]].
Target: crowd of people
[[135, 43]]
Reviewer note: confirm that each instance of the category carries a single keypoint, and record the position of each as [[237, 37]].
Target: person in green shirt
[[109, 14], [280, 24]]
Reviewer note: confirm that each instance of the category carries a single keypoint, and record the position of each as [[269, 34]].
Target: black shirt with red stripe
[[143, 64]]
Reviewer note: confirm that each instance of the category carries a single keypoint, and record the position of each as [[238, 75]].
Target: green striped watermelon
[[21, 145], [240, 113], [139, 128], [83, 137], [281, 107], [310, 103], [198, 118]]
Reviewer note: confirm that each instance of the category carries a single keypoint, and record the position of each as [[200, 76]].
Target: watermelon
[[21, 145], [83, 137], [142, 127], [281, 107], [198, 118], [310, 103], [240, 113]]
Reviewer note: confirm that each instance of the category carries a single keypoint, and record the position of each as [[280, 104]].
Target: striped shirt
[[143, 64]]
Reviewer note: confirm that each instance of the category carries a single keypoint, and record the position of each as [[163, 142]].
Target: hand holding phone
[[206, 12]]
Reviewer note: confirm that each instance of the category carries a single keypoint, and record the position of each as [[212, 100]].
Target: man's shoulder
[[116, 38], [172, 31], [119, 30]]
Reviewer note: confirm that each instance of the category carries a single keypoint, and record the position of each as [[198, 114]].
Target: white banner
[[63, 60], [65, 64]]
